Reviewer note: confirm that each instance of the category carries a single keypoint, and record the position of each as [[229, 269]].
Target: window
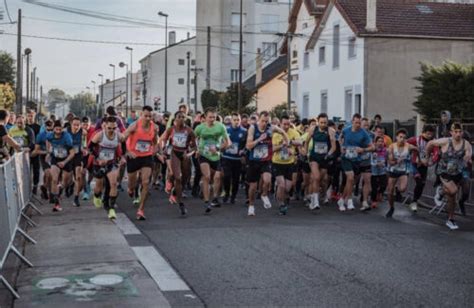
[[358, 103], [305, 25], [348, 105], [295, 53], [181, 62], [234, 75], [236, 19], [269, 50], [192, 81], [181, 81], [193, 62], [305, 105], [270, 23], [306, 60], [324, 101], [235, 48], [352, 48], [335, 47], [322, 55]]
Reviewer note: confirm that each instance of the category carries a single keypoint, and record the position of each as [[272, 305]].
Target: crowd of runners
[[315, 161]]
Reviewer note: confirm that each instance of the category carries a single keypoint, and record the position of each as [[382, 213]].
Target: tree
[[83, 104], [447, 87], [210, 99], [229, 101], [279, 110], [7, 96], [55, 96], [7, 68]]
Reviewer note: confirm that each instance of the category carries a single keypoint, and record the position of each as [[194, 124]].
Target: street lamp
[[101, 92], [131, 77], [113, 84], [160, 13], [27, 53], [93, 85], [122, 65]]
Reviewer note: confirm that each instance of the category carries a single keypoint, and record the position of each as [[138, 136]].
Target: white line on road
[[163, 274], [125, 225]]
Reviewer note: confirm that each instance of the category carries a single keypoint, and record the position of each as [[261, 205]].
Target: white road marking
[[125, 225], [161, 272]]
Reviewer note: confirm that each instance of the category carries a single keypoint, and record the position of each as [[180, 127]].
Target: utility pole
[[188, 84], [33, 84], [113, 84], [19, 70], [36, 90], [289, 40], [196, 70], [166, 57], [27, 53], [241, 39], [131, 77], [40, 100], [208, 61], [101, 93]]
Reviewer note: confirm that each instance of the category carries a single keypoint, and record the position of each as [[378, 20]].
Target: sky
[[71, 66]]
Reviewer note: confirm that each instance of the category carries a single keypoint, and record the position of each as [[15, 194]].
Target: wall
[[323, 77], [273, 93], [393, 63]]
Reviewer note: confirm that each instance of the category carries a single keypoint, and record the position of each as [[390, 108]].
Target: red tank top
[[140, 142]]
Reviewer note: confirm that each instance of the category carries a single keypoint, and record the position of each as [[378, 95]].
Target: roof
[[169, 46], [268, 73], [407, 18]]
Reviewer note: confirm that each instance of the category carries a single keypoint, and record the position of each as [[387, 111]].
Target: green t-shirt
[[210, 137]]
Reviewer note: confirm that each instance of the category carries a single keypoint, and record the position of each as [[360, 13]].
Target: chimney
[[371, 25], [172, 38]]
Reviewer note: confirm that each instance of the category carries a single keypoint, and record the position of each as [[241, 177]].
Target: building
[[263, 22], [153, 69], [272, 89], [106, 93], [363, 55]]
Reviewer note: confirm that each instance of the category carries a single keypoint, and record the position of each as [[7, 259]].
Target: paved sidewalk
[[83, 259]]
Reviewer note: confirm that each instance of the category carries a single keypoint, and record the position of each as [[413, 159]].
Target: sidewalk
[[83, 259]]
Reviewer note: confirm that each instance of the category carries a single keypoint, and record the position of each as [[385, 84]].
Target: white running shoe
[[365, 206], [266, 202], [340, 203], [451, 224], [438, 199], [315, 203], [251, 211], [414, 207], [350, 205], [328, 194]]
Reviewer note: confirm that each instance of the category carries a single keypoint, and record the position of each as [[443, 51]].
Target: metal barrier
[[15, 198]]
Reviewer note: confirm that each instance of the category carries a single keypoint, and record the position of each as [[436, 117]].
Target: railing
[[15, 199]]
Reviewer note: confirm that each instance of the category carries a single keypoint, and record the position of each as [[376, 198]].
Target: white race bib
[[233, 149], [59, 152], [20, 140], [180, 139], [209, 147], [351, 153], [260, 151], [143, 146], [107, 154], [321, 148]]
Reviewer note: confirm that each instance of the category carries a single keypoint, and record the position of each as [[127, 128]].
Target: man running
[[60, 147], [142, 137], [232, 158], [283, 160], [259, 143], [323, 146], [455, 154], [212, 139], [22, 134], [354, 141], [35, 161], [105, 147], [41, 151], [183, 143], [75, 130]]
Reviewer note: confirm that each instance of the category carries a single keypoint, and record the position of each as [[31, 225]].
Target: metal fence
[[15, 198]]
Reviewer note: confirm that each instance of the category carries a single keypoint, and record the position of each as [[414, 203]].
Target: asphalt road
[[323, 259]]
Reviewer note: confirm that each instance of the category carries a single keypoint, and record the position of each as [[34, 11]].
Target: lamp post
[[27, 53], [166, 57], [101, 92], [122, 65], [131, 77], [113, 84]]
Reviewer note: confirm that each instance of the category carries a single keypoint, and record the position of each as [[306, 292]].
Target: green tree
[[7, 68], [229, 101], [7, 96], [210, 99], [83, 104], [279, 110], [446, 87]]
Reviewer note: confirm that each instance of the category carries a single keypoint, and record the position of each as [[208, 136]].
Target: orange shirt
[[140, 142]]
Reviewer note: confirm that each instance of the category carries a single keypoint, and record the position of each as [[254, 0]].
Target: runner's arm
[[468, 155], [332, 139], [308, 138], [435, 143], [281, 131], [130, 130]]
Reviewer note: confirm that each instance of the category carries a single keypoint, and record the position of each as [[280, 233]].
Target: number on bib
[[321, 148], [351, 153], [179, 140], [107, 154], [233, 149], [60, 152], [143, 146], [260, 151]]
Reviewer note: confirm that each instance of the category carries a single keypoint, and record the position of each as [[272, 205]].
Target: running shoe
[[97, 202], [112, 215], [283, 210], [172, 199], [390, 213], [140, 215], [451, 224], [438, 199], [44, 192], [374, 205], [329, 193], [136, 201], [251, 211], [207, 207], [340, 204], [76, 202], [69, 190], [85, 196], [57, 208], [168, 187], [314, 203], [365, 207], [350, 205], [183, 209], [215, 203], [266, 202], [414, 207]]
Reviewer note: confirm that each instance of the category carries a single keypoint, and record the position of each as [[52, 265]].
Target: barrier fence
[[15, 198]]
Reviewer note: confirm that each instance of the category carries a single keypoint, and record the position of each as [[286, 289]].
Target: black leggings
[[379, 185], [420, 182], [232, 170]]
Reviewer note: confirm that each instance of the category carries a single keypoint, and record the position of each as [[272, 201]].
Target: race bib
[[351, 153], [59, 152], [378, 160], [321, 148], [76, 149], [20, 140], [208, 148], [107, 154], [180, 139], [143, 146], [260, 151], [452, 167], [284, 153], [400, 167], [233, 149]]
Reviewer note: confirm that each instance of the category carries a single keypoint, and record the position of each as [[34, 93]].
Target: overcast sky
[[72, 65]]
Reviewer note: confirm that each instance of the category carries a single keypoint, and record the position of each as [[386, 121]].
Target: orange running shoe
[[140, 215]]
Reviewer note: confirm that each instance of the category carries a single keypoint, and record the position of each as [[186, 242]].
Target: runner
[[455, 154], [183, 143], [60, 148], [22, 134], [142, 137], [399, 156], [232, 158], [365, 168], [355, 141], [106, 149], [34, 160], [323, 146], [41, 151], [212, 139], [378, 178], [283, 160], [421, 170], [75, 130], [259, 143], [87, 133]]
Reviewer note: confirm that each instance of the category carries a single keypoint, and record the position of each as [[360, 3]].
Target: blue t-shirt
[[237, 138], [60, 146], [353, 140], [41, 140], [76, 140]]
